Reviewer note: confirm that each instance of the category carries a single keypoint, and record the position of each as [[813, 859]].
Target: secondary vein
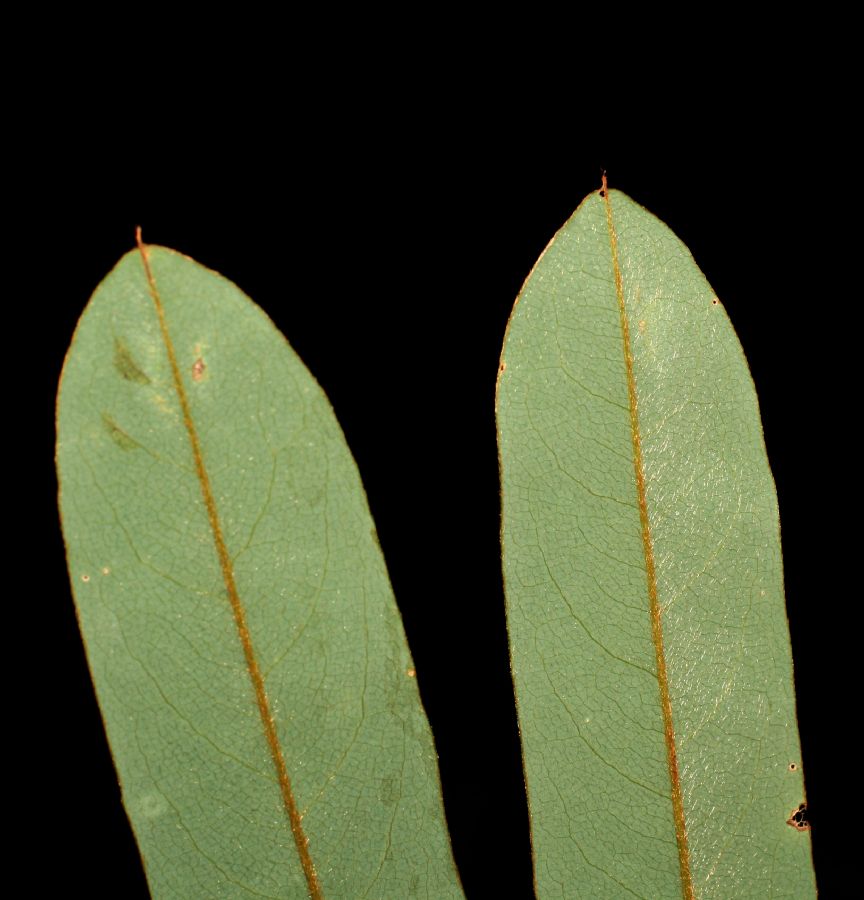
[[650, 570], [294, 818]]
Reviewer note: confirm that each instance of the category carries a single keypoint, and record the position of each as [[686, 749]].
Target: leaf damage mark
[[390, 791], [373, 531], [118, 435], [798, 819], [153, 805], [126, 365], [198, 368]]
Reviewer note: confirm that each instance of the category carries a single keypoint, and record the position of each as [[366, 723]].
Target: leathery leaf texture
[[247, 653], [643, 576]]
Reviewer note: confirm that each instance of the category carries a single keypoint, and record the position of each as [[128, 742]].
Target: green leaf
[[247, 652], [643, 577]]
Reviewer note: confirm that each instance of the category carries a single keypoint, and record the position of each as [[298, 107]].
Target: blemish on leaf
[[85, 578], [198, 368], [793, 767], [642, 326], [118, 435], [163, 405], [126, 365], [411, 673], [502, 367], [153, 805], [715, 302], [106, 570], [798, 820], [389, 792]]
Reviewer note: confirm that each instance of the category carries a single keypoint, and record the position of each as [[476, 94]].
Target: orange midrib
[[650, 571], [294, 818]]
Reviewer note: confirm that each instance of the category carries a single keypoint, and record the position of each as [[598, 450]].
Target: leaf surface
[[643, 576], [246, 649]]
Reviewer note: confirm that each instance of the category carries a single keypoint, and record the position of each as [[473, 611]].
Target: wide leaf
[[643, 576], [248, 656]]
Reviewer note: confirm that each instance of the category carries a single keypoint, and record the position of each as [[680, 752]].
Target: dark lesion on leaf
[[118, 435], [799, 820], [126, 365]]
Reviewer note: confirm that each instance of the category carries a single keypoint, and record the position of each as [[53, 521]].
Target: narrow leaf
[[643, 575], [247, 653]]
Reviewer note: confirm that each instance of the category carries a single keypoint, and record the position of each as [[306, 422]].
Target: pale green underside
[[582, 652], [198, 780]]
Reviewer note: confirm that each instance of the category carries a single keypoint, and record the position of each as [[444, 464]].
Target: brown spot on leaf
[[198, 368], [411, 673], [793, 767]]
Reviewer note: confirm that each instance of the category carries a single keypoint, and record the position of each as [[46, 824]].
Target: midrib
[[650, 570], [239, 613]]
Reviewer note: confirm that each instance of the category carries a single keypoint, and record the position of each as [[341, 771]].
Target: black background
[[389, 248]]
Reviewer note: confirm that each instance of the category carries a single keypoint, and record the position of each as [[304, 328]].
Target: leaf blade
[[153, 600], [620, 366]]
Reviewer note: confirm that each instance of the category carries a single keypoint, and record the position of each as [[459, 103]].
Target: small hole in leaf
[[793, 767], [602, 192], [715, 302], [798, 820]]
